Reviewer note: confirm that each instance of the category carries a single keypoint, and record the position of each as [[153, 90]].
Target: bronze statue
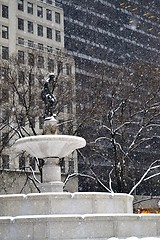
[[48, 97]]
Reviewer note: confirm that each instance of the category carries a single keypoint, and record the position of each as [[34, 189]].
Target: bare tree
[[125, 130], [22, 108], [118, 114]]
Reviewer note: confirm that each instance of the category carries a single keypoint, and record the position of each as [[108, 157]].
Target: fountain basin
[[50, 146], [65, 203], [80, 227]]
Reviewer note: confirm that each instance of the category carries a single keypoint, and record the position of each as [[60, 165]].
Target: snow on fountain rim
[[45, 146]]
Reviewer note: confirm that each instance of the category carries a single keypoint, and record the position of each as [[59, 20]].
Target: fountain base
[[51, 176], [51, 187], [76, 216]]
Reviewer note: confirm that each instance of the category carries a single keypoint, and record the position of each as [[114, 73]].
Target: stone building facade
[[31, 46]]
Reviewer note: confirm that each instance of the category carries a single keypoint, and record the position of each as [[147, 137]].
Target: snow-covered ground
[[135, 238]]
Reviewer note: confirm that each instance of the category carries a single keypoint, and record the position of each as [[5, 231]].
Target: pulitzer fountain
[[54, 214], [50, 147]]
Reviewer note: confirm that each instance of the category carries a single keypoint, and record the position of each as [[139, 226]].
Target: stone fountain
[[51, 148], [54, 214]]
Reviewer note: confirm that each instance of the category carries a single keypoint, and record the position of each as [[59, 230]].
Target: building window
[[22, 163], [40, 62], [32, 122], [30, 27], [31, 79], [30, 7], [30, 43], [57, 17], [40, 30], [49, 33], [5, 161], [49, 1], [4, 32], [5, 139], [58, 3], [20, 24], [4, 11], [49, 49], [71, 167], [5, 116], [20, 56], [5, 95], [21, 120], [21, 77], [32, 163], [40, 46], [49, 14], [21, 41], [39, 11], [58, 36], [68, 69], [3, 73], [21, 99], [30, 59], [40, 104], [5, 53], [50, 65], [62, 164], [60, 125], [21, 5], [59, 67], [32, 103], [40, 77], [41, 122], [69, 110]]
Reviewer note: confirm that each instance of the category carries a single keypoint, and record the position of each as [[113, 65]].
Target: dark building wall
[[109, 31], [114, 34]]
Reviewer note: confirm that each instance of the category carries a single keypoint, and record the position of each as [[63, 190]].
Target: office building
[[105, 36], [32, 42]]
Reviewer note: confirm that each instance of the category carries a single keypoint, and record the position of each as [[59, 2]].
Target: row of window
[[21, 121], [32, 44], [5, 98], [22, 162], [32, 163], [65, 165], [4, 92], [21, 3], [40, 11], [5, 116], [40, 61], [60, 66], [40, 30]]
